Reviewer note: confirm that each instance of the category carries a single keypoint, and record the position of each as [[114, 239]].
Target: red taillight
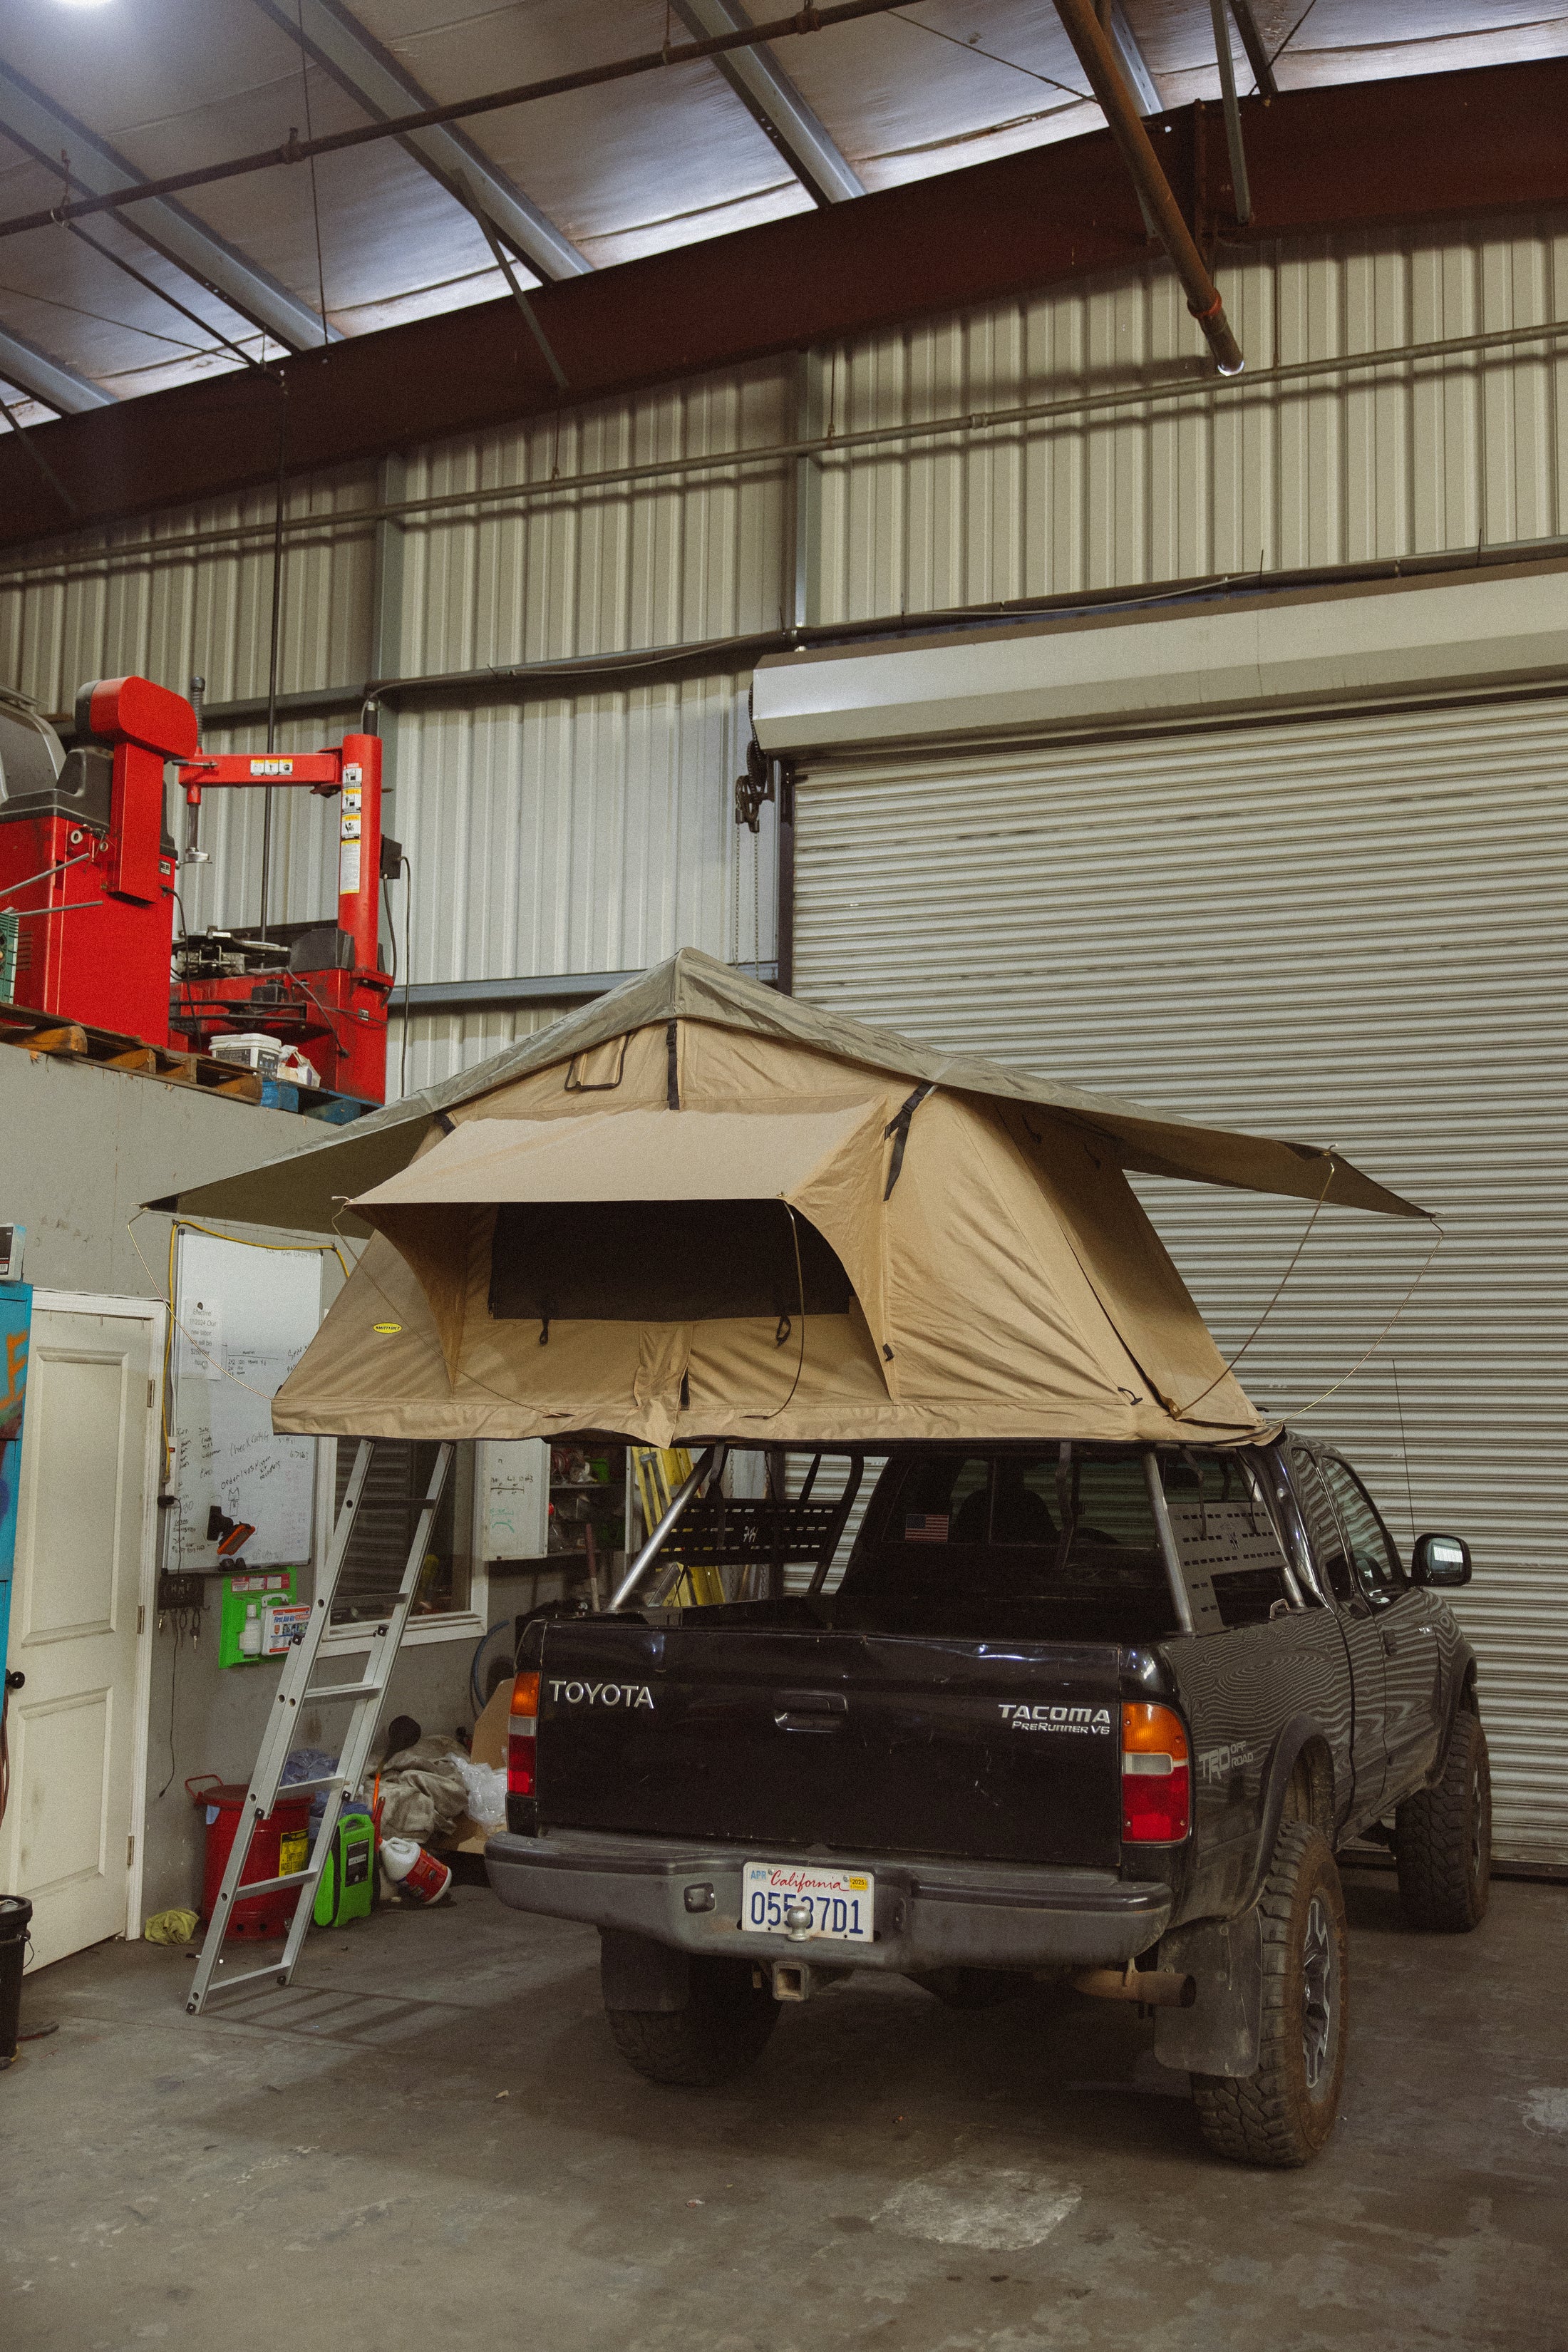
[[1156, 1776], [521, 1737]]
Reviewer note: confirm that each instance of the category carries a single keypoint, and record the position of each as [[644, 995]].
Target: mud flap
[[1218, 2035], [636, 1973]]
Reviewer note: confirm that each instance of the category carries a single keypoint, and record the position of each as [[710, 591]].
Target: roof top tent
[[697, 1211]]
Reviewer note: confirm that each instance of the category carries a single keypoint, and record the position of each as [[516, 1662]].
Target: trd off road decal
[[1217, 1764], [566, 1693], [1084, 1720]]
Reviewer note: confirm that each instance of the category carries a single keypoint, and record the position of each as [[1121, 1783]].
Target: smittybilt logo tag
[[601, 1694], [1081, 1720]]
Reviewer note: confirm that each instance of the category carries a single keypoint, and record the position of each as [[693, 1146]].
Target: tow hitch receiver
[[798, 1981]]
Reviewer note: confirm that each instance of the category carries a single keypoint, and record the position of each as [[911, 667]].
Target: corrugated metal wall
[[587, 832], [204, 610], [601, 571], [586, 836], [593, 831], [1440, 454], [441, 1043], [1346, 930]]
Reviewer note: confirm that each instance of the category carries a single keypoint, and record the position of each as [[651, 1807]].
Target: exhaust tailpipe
[[1151, 1988]]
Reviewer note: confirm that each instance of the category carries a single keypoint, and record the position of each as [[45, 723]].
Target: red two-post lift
[[89, 872]]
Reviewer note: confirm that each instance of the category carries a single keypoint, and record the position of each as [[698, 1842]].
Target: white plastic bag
[[485, 1785]]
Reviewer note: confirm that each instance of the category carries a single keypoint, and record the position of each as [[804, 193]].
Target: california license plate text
[[842, 1901]]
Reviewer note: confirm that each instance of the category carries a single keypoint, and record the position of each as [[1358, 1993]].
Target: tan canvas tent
[[697, 1209]]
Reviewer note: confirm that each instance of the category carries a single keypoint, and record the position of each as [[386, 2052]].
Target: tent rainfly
[[697, 1209]]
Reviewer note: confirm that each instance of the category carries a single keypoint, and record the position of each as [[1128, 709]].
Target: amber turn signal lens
[[1145, 1730], [525, 1694]]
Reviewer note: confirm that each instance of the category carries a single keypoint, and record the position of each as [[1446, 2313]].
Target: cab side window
[[1373, 1556], [1329, 1547]]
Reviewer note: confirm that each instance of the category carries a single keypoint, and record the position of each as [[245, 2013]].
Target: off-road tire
[[722, 2028], [1281, 2114], [971, 1987], [1443, 1838]]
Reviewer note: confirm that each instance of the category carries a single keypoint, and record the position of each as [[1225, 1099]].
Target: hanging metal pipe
[[1099, 61], [1239, 180]]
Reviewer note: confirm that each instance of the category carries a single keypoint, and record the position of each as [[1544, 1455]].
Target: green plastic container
[[346, 1889]]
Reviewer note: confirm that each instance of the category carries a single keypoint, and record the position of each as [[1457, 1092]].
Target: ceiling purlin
[[359, 65], [1131, 58], [57, 386], [769, 95]]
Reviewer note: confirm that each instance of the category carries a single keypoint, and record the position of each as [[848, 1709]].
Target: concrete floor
[[429, 2142]]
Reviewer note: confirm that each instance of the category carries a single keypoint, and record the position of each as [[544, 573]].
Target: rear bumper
[[929, 1914]]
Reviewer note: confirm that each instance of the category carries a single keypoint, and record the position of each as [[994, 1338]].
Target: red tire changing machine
[[89, 870]]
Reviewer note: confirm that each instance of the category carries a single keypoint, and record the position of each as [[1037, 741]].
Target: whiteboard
[[515, 1472], [244, 1317]]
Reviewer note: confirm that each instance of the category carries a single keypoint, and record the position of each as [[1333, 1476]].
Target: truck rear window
[[1010, 1526], [1067, 1533]]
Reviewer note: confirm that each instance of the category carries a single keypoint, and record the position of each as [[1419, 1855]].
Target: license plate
[[798, 1900]]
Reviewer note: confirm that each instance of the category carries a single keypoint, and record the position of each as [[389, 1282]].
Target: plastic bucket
[[15, 1917], [280, 1845]]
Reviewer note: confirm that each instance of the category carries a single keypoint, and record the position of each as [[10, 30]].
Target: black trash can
[[16, 1917]]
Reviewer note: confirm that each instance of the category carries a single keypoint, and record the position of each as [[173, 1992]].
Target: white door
[[83, 1531]]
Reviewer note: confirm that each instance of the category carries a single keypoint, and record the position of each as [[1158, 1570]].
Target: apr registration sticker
[[795, 1899]]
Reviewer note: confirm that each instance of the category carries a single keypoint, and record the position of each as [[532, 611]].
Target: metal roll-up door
[[1346, 928]]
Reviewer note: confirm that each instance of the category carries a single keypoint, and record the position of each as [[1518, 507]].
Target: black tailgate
[[862, 1743]]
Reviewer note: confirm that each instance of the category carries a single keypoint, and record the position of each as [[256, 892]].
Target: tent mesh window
[[378, 1548], [659, 1262]]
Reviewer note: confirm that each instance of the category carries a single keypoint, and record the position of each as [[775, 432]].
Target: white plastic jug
[[419, 1874]]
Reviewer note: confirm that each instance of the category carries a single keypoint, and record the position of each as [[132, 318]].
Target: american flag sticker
[[925, 1526]]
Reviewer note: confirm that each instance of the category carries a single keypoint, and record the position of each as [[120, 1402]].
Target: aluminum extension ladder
[[296, 1693], [659, 1472]]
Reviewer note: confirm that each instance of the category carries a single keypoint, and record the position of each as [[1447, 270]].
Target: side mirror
[[1440, 1561]]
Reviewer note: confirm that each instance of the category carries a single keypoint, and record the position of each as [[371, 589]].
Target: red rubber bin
[[280, 1844]]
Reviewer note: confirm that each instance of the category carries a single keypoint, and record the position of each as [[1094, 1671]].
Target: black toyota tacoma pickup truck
[[1082, 1713]]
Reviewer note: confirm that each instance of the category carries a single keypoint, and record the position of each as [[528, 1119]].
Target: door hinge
[[152, 1394], [130, 1850], [141, 1619]]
